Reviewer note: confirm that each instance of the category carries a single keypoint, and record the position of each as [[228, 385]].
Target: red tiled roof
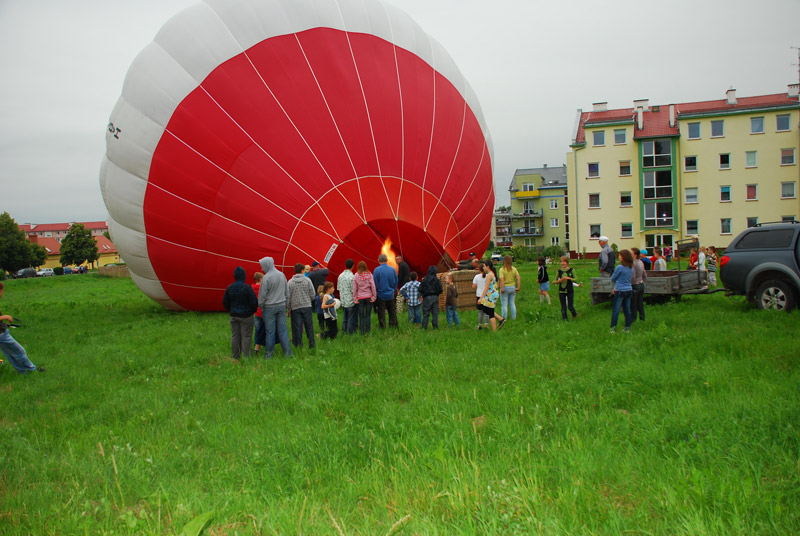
[[104, 245], [656, 123], [52, 245]]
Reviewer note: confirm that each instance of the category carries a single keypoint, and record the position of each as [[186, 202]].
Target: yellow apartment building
[[654, 174], [539, 214]]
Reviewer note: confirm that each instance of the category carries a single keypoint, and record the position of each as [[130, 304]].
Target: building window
[[782, 122], [725, 226], [725, 194], [619, 136], [692, 227], [756, 125], [787, 190], [594, 230], [594, 169], [751, 159], [752, 222], [718, 128], [553, 222], [752, 192], [787, 219], [691, 196], [657, 184], [554, 203], [555, 241], [694, 131], [725, 161], [787, 157], [624, 167], [598, 138], [658, 215], [690, 163], [657, 153], [594, 200], [625, 199], [528, 187], [626, 230]]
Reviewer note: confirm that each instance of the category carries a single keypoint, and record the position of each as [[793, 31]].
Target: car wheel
[[776, 295]]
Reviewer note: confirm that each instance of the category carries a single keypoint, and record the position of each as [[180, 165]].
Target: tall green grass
[[687, 425]]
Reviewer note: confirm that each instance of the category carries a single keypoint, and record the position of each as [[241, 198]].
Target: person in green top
[[566, 283], [510, 282]]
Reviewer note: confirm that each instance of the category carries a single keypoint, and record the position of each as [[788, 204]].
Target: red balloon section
[[315, 146]]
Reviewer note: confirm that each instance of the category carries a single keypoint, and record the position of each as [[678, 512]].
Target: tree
[[15, 250], [78, 246], [38, 254]]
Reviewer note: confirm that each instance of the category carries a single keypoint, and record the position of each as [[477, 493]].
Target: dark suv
[[763, 264]]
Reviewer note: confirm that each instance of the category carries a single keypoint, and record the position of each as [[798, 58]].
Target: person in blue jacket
[[385, 286], [241, 302]]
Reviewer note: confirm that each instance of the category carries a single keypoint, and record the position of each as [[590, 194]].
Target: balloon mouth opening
[[370, 240]]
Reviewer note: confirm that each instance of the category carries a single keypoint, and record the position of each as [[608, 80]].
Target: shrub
[[58, 270]]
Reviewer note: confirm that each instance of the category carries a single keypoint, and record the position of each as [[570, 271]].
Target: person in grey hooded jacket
[[240, 301], [272, 299]]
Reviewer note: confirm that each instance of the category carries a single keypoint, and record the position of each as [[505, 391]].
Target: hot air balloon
[[298, 129]]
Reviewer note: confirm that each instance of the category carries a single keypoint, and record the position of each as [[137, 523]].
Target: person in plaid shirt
[[411, 292]]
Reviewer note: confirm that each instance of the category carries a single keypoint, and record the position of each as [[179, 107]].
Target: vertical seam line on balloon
[[455, 158], [369, 120], [467, 189], [477, 214], [402, 117], [255, 142], [433, 128], [335, 124], [229, 219], [313, 153]]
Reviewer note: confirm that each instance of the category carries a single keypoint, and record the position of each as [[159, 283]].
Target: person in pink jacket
[[363, 295]]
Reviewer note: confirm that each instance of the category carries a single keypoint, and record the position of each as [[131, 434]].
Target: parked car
[[763, 264], [25, 272], [67, 270], [45, 272]]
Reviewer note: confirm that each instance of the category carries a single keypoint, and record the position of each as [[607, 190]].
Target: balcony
[[506, 220], [505, 231], [528, 231], [528, 214], [504, 243]]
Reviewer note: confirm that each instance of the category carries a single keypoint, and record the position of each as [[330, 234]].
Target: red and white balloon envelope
[[304, 130]]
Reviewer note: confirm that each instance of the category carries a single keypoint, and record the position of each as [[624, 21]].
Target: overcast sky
[[532, 64]]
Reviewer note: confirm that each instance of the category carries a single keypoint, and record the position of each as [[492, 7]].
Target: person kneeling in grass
[[13, 350]]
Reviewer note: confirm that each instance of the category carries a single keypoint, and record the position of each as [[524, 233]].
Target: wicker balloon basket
[[466, 294]]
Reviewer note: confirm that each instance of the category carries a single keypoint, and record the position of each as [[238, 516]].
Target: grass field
[[687, 425]]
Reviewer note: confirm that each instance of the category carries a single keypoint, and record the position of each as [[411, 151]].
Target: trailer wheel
[[776, 295]]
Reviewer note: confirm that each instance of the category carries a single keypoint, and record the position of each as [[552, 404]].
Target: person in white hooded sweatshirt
[[272, 299]]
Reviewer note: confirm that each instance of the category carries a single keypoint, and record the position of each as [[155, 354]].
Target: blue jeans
[[622, 299], [415, 314], [508, 298], [301, 319], [349, 320], [275, 322], [452, 315], [430, 306], [364, 316], [15, 353], [261, 332]]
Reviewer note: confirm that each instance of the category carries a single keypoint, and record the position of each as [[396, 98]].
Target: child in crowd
[[451, 301], [410, 291], [544, 281], [566, 291], [261, 330], [328, 307], [430, 288], [623, 291], [478, 283], [318, 308], [659, 264], [646, 262], [711, 259]]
